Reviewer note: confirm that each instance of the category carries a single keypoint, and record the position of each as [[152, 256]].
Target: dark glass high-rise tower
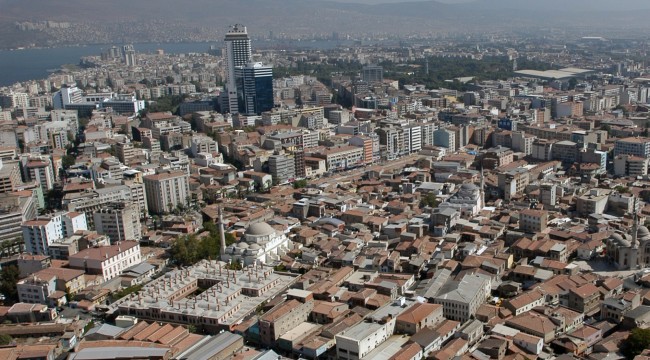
[[254, 88]]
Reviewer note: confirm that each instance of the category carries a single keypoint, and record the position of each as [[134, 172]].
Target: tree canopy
[[636, 342], [429, 199], [8, 279], [188, 250], [299, 184]]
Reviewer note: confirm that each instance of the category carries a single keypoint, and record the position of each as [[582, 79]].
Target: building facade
[[166, 191]]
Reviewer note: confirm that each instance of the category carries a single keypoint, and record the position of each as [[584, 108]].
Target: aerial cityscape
[[307, 179]]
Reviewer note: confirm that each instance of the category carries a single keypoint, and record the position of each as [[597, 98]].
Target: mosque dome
[[260, 229]]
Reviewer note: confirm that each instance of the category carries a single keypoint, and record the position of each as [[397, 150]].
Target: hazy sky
[[587, 5]]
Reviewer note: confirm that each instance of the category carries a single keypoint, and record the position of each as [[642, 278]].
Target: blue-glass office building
[[254, 88]]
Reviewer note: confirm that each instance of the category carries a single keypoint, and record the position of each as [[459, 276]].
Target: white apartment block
[[342, 157], [39, 234]]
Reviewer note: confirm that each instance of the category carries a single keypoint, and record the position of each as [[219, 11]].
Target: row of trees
[[191, 249], [440, 70]]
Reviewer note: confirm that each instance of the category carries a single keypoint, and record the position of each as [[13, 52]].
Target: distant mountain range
[[317, 16]]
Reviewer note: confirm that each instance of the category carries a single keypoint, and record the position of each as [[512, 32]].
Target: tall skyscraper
[[254, 88], [372, 74], [238, 53], [129, 55]]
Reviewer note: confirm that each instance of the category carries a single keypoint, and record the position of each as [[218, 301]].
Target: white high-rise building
[[129, 55], [237, 53], [65, 96], [39, 234]]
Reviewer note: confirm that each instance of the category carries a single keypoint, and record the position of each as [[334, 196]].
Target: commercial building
[[633, 146], [167, 190], [593, 202], [49, 286], [125, 152], [202, 144], [9, 176], [14, 211], [107, 261], [93, 200], [119, 221], [418, 316], [445, 138], [40, 170], [286, 316], [254, 88], [372, 74], [237, 53]]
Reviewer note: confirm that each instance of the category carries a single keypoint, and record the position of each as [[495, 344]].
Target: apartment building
[[283, 318], [342, 157], [167, 190], [40, 233], [119, 221], [630, 165], [533, 221], [282, 168]]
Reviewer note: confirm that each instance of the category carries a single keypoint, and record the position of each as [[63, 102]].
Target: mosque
[[629, 251], [261, 244]]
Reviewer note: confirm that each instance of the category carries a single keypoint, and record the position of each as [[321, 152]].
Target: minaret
[[482, 189], [222, 232], [635, 226], [634, 252]]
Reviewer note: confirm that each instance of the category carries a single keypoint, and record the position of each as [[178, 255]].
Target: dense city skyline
[[310, 179]]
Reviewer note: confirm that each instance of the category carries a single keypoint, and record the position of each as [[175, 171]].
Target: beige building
[[417, 317], [593, 202], [630, 165], [167, 190], [283, 318], [533, 221], [9, 176], [119, 221]]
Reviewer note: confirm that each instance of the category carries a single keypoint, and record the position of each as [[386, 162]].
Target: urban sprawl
[[349, 203]]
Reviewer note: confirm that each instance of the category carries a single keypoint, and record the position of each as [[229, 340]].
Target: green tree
[[5, 339], [68, 161], [8, 279], [572, 83], [636, 342], [299, 184], [189, 249], [430, 200]]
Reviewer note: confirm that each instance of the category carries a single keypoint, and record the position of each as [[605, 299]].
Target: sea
[[34, 64]]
